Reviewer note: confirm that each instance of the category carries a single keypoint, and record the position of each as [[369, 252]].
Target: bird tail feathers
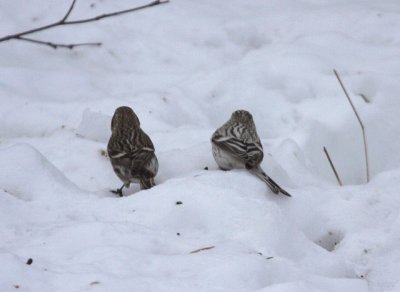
[[275, 188]]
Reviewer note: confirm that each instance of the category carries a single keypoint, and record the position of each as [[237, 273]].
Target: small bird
[[236, 145], [131, 151]]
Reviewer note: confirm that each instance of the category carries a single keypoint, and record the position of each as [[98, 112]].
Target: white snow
[[184, 67]]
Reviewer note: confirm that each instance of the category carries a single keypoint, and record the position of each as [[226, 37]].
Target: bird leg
[[118, 191]]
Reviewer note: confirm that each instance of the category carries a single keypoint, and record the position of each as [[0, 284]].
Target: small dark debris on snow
[[103, 153], [267, 258], [178, 234], [94, 283], [16, 286], [179, 203], [29, 261], [365, 98], [206, 168]]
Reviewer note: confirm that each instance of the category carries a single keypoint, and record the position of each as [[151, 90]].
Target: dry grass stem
[[360, 122], [333, 167]]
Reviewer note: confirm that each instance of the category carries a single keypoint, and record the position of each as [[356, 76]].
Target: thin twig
[[157, 2], [360, 122], [17, 35], [201, 249], [68, 12], [333, 167], [57, 45], [64, 21]]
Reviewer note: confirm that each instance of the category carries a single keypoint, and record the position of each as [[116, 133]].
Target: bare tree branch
[[56, 45], [64, 21], [360, 122], [332, 166], [157, 2], [17, 35]]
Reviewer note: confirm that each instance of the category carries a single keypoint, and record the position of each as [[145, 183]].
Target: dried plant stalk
[[360, 122], [333, 167]]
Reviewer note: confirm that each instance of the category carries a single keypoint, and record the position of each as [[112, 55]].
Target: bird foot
[[117, 192]]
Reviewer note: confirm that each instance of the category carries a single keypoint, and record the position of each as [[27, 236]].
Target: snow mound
[[94, 126], [29, 119], [318, 285], [26, 174]]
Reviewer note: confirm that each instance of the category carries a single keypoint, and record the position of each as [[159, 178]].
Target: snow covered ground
[[184, 67]]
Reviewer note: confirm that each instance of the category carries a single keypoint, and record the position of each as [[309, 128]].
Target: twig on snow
[[360, 122], [201, 249]]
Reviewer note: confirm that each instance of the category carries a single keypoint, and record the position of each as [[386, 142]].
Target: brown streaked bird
[[131, 151], [236, 145]]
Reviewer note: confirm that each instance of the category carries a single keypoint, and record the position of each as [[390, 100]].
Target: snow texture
[[184, 67]]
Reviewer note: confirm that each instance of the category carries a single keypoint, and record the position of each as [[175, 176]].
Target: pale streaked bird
[[131, 151], [236, 145]]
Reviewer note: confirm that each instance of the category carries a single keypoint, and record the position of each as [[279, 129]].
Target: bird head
[[242, 116], [124, 117]]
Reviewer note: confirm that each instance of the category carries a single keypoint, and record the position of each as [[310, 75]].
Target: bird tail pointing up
[[275, 188]]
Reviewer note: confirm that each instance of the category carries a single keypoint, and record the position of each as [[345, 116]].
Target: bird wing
[[251, 153], [138, 151]]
